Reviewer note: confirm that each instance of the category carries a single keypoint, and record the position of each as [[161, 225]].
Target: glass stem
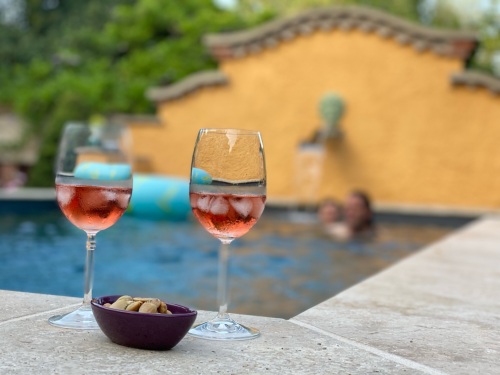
[[222, 282], [89, 270]]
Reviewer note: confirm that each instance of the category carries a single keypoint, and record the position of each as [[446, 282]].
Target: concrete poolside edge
[[439, 307]]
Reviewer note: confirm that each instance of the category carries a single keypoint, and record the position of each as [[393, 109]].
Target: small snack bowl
[[143, 330]]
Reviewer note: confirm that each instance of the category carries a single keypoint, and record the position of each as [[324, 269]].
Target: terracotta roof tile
[[477, 79], [459, 44], [191, 83]]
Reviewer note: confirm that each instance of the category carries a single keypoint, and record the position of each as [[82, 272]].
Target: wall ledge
[[189, 84], [451, 43]]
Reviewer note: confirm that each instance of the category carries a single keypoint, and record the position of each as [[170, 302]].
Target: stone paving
[[435, 312]]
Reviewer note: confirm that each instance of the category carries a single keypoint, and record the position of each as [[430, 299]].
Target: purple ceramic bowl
[[143, 330]]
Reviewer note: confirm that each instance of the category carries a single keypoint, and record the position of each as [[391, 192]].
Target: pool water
[[282, 267]]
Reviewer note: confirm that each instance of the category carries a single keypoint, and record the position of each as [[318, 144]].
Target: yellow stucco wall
[[409, 135]]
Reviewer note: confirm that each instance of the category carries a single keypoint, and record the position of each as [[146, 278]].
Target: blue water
[[280, 268]]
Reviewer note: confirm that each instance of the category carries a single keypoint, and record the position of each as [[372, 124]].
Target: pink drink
[[92, 208], [227, 215]]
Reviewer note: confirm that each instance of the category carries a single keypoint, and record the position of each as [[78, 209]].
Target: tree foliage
[[69, 59], [407, 9]]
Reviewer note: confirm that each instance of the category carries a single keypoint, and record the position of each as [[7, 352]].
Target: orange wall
[[409, 135]]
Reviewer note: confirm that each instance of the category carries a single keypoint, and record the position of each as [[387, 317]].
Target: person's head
[[329, 211], [358, 212]]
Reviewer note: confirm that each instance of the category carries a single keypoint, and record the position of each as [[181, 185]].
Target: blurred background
[[64, 60]]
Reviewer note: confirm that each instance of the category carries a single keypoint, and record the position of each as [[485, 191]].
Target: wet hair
[[367, 203]]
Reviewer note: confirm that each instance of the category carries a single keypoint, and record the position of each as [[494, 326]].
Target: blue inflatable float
[[201, 177], [102, 171], [160, 197]]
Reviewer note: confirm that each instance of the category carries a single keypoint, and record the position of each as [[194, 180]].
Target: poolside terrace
[[435, 312]]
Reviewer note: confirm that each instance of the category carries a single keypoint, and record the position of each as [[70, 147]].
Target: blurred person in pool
[[353, 220], [329, 211], [330, 216], [358, 215]]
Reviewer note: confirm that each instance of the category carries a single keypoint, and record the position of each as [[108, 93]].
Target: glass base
[[82, 318], [223, 329]]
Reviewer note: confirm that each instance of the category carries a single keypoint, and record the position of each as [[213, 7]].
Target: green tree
[[79, 58], [488, 28]]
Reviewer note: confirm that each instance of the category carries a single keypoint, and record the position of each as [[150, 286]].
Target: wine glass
[[227, 193], [93, 190]]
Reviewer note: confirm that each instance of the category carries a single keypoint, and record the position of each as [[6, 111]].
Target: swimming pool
[[280, 268]]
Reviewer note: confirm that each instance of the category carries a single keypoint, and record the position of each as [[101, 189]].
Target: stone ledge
[[473, 79], [439, 307], [187, 85], [28, 194]]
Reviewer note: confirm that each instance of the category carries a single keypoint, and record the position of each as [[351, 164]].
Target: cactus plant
[[331, 109]]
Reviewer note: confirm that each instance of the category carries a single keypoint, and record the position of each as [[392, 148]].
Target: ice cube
[[109, 195], [243, 206], [204, 203], [219, 206], [258, 207], [93, 198], [123, 200], [65, 194]]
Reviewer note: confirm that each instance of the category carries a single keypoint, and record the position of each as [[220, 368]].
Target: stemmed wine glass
[[227, 194], [93, 190]]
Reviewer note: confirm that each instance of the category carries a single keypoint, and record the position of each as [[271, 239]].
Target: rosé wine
[[92, 208], [227, 216]]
